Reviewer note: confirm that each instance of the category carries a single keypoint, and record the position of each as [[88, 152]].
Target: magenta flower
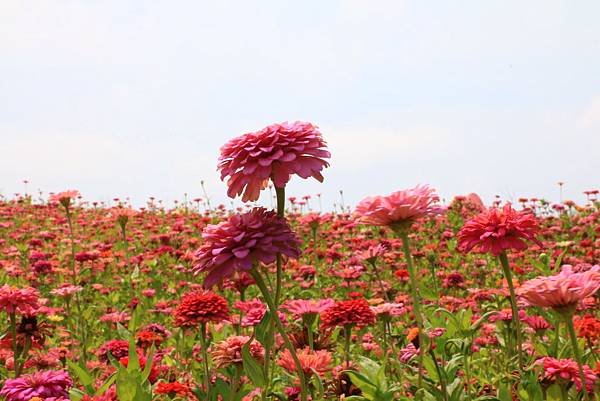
[[243, 240], [565, 371], [275, 152], [496, 230], [562, 290], [45, 384], [399, 208]]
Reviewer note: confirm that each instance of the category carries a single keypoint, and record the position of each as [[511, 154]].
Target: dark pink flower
[[275, 152], [21, 300], [45, 384], [497, 230], [566, 371], [243, 240]]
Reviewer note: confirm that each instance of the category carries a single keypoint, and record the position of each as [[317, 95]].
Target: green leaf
[[252, 368], [84, 377], [106, 385]]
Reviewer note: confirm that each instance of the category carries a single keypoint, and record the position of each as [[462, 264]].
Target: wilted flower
[[229, 351]]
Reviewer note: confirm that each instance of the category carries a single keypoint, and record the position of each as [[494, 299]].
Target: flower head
[[566, 371], [399, 209], [19, 300], [496, 230], [355, 312], [562, 290], [242, 240], [229, 351], [276, 152], [311, 361], [201, 307], [306, 307], [64, 198], [45, 384]]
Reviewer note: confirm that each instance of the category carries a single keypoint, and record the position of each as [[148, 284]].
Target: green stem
[[13, 333], [440, 375], [280, 193], [380, 281], [516, 323], [205, 359], [274, 316], [347, 332], [414, 291], [569, 322]]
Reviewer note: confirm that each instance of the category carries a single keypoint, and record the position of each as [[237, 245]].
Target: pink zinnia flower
[[388, 310], [497, 230], [275, 152], [399, 208], [19, 300], [562, 290], [303, 307], [311, 361], [243, 240], [566, 371], [44, 385], [229, 351], [64, 198]]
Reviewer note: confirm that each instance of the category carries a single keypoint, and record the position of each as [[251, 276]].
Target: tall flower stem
[[280, 192], [568, 317], [516, 323], [13, 333], [347, 332], [275, 317], [416, 301], [205, 359]]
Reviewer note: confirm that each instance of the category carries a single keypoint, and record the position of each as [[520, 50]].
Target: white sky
[[134, 98]]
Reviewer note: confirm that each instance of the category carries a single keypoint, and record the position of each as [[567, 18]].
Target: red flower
[[173, 388], [497, 230], [201, 307], [344, 313], [275, 152], [241, 241]]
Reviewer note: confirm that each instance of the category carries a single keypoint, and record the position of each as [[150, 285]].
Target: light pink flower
[[301, 307], [311, 361], [400, 207], [565, 289], [276, 152]]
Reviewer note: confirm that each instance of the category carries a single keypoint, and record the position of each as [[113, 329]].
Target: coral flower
[[563, 290], [566, 371], [497, 230], [311, 361], [64, 198], [275, 152], [348, 313], [21, 300], [45, 385], [241, 241], [201, 307], [307, 307], [400, 208], [229, 351]]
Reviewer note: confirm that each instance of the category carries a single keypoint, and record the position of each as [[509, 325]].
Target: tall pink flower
[[312, 362], [562, 290], [496, 230], [307, 307], [276, 152], [21, 300], [241, 241], [399, 208], [45, 385], [64, 198]]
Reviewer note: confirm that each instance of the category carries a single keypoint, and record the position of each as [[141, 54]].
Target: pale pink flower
[[565, 289], [229, 351], [311, 361], [302, 307], [400, 207], [64, 198], [389, 309]]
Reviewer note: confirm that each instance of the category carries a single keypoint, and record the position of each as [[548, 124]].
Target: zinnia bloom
[[311, 361], [64, 197], [307, 307], [229, 351], [243, 240], [399, 209], [45, 384], [201, 307], [19, 300], [497, 230], [563, 290], [275, 152], [348, 313], [566, 371]]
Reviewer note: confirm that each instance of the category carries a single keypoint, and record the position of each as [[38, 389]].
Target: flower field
[[400, 298]]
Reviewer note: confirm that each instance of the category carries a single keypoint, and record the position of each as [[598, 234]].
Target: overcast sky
[[134, 98]]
